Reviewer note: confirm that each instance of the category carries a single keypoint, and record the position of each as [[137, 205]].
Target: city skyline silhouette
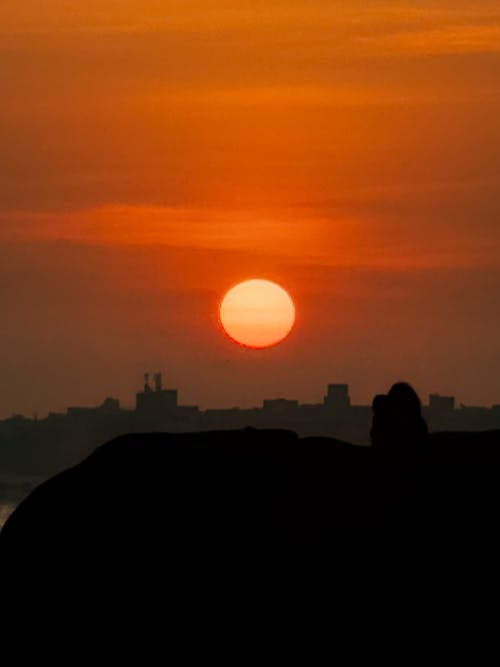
[[289, 208], [40, 446]]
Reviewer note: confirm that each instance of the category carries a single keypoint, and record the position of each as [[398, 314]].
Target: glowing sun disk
[[257, 313]]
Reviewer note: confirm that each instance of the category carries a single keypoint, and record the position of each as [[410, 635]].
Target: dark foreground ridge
[[155, 500]]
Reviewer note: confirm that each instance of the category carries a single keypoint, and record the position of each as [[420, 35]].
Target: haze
[[154, 154]]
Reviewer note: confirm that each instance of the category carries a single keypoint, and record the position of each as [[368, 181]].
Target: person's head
[[405, 399], [397, 418]]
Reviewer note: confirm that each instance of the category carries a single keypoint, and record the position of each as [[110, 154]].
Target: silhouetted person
[[397, 419], [380, 421]]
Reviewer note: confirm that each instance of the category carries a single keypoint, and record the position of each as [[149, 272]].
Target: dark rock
[[202, 503]]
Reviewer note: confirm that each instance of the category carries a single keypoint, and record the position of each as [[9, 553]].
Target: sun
[[257, 313]]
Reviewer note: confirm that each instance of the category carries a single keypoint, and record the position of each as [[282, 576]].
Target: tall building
[[337, 398], [155, 403], [440, 404]]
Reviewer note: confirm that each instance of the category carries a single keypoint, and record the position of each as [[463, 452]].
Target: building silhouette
[[337, 397], [42, 446], [158, 402]]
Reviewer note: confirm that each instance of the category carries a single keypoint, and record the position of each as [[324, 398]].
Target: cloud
[[445, 39]]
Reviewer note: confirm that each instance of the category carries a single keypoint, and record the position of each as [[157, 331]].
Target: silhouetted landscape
[[292, 209], [32, 447], [147, 498]]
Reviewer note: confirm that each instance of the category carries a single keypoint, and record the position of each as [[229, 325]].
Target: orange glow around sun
[[257, 313]]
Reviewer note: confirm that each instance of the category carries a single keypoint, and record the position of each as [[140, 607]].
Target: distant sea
[[13, 489], [5, 510]]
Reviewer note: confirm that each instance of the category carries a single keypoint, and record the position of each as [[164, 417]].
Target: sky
[[155, 153]]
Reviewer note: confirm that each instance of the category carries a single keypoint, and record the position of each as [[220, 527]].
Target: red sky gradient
[[156, 153]]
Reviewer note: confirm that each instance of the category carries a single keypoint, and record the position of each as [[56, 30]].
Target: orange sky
[[155, 153]]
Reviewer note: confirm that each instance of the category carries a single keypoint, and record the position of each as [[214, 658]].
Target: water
[[5, 510], [13, 489]]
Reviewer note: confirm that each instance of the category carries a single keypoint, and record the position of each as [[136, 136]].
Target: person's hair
[[397, 418], [405, 398]]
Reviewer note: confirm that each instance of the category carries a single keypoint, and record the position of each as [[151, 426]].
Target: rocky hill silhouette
[[169, 498]]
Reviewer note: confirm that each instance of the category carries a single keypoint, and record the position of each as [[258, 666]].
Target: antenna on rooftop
[[158, 382]]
